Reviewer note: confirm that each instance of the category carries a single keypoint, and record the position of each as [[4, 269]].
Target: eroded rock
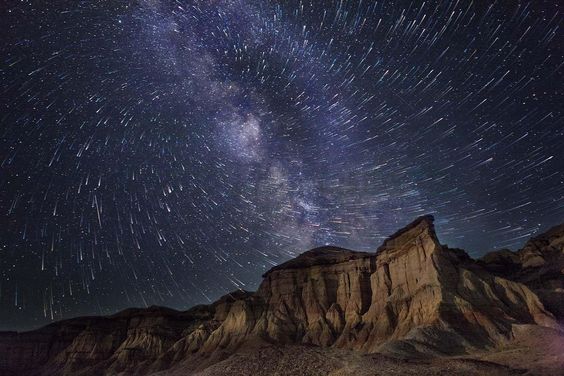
[[412, 296]]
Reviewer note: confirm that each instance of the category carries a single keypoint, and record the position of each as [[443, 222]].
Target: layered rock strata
[[412, 296]]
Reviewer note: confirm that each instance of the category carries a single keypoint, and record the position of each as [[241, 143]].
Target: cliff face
[[412, 296], [539, 265], [413, 289]]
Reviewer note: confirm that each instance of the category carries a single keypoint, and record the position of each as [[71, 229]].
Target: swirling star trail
[[168, 152]]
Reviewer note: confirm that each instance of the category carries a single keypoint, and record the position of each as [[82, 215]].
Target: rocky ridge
[[414, 297], [539, 265]]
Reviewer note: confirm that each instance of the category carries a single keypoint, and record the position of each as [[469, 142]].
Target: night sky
[[166, 152]]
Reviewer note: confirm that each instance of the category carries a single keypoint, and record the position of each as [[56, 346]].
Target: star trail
[[162, 152]]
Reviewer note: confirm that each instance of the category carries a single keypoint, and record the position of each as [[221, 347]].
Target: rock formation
[[412, 297], [539, 265]]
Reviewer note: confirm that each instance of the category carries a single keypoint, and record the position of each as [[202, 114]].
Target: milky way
[[168, 152]]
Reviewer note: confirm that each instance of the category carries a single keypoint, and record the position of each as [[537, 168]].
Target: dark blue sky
[[167, 152]]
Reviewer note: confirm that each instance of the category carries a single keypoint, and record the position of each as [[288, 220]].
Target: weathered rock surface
[[539, 265], [413, 297]]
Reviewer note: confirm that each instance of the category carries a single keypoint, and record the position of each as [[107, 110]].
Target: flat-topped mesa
[[312, 297], [326, 255], [419, 230], [419, 233]]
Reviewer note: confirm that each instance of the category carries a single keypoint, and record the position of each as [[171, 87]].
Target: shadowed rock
[[539, 265]]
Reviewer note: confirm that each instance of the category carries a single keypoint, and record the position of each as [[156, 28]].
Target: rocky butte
[[414, 306]]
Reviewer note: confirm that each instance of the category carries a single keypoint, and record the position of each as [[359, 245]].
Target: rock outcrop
[[539, 265], [412, 296]]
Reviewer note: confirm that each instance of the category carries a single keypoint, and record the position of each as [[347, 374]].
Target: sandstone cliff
[[412, 296]]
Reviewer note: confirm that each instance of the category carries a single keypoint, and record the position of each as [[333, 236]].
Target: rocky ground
[[315, 361]]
